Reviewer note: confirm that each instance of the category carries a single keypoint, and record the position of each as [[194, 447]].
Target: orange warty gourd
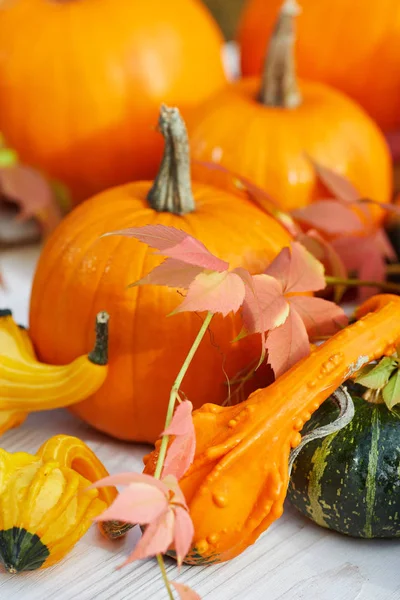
[[351, 45], [78, 271], [267, 130], [80, 99], [237, 484]]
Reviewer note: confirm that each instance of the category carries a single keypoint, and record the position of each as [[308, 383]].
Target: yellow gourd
[[27, 385], [45, 503]]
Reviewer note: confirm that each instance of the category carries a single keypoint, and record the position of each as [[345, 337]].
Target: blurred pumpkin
[[351, 45], [78, 271], [266, 131], [79, 99]]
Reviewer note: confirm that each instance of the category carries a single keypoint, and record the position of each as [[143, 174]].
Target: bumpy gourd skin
[[27, 385], [45, 503], [237, 484]]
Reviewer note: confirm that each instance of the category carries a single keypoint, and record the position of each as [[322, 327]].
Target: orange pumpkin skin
[[351, 45], [80, 100], [269, 145], [78, 272]]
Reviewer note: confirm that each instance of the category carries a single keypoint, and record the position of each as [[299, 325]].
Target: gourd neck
[[279, 86], [99, 354], [172, 188]]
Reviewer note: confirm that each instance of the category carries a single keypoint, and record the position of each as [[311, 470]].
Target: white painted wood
[[294, 560]]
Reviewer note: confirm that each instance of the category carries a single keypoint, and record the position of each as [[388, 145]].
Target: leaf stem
[[393, 269], [175, 391], [382, 285], [161, 564]]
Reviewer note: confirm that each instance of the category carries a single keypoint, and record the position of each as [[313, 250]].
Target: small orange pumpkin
[[79, 99], [78, 272], [267, 130], [352, 45]]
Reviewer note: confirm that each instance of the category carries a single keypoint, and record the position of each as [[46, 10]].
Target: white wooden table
[[294, 560]]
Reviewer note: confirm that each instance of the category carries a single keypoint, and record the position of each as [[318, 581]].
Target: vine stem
[[161, 564], [382, 285], [175, 391]]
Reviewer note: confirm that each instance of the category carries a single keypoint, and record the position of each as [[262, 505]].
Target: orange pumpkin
[[81, 82], [267, 130], [350, 44], [78, 271]]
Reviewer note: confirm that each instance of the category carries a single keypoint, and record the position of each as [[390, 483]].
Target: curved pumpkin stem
[[279, 86], [172, 188], [237, 484], [346, 414]]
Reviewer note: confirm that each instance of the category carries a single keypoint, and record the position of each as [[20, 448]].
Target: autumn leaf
[[185, 592], [289, 317], [210, 285], [29, 191], [337, 185], [181, 452], [365, 256], [329, 217], [160, 505]]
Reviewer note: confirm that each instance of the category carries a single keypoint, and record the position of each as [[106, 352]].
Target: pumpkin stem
[[99, 354], [172, 188], [279, 86]]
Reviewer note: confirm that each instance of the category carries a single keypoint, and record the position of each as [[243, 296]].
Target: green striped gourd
[[350, 481]]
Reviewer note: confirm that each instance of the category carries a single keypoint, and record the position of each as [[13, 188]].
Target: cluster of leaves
[[159, 504], [351, 242], [271, 304], [383, 378]]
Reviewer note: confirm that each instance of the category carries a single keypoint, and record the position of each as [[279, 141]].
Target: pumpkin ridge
[[371, 473]]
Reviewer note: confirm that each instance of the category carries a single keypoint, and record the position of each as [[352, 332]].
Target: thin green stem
[[161, 564], [175, 391], [382, 285]]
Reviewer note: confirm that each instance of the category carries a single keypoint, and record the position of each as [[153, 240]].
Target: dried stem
[[279, 86], [172, 189]]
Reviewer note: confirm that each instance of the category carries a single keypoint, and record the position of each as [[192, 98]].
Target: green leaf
[[376, 377], [391, 392]]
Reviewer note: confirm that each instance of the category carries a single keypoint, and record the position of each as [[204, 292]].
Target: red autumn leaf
[[184, 591], [214, 292], [319, 316], [365, 257], [337, 185], [160, 505], [266, 308], [287, 344], [211, 286], [329, 216], [297, 270], [30, 191], [181, 452]]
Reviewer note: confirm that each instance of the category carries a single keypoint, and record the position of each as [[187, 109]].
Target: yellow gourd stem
[[28, 385]]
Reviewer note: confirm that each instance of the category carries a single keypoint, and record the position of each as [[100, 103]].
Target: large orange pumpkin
[[79, 272], [81, 82], [350, 44], [267, 130]]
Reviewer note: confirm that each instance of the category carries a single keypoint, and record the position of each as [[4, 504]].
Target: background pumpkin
[[367, 32], [266, 130], [77, 272], [349, 482], [83, 107]]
